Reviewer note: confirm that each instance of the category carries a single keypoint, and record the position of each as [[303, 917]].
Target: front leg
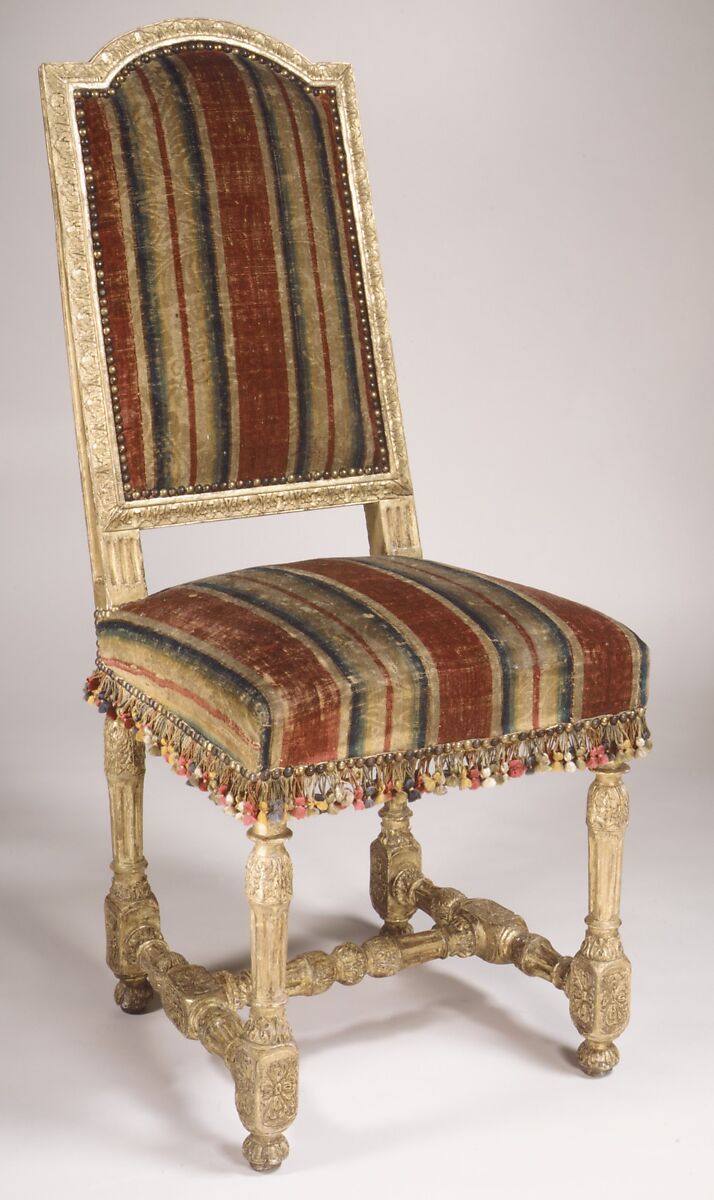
[[130, 902], [265, 1067], [599, 981]]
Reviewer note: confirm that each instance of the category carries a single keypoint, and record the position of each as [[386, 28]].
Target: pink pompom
[[597, 757], [516, 768]]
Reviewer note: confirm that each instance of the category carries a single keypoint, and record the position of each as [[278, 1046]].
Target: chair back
[[224, 307]]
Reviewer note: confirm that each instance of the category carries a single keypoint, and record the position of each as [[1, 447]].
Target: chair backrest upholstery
[[223, 298]]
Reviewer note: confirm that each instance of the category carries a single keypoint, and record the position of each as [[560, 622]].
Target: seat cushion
[[322, 683]]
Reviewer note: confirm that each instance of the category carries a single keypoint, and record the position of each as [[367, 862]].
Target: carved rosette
[[266, 1087], [599, 995]]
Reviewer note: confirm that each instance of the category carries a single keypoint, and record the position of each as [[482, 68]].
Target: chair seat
[[318, 684]]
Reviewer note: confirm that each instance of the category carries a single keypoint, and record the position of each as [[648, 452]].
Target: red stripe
[[465, 692], [337, 188], [116, 280], [246, 638], [316, 274], [172, 686], [180, 289], [607, 685], [247, 243]]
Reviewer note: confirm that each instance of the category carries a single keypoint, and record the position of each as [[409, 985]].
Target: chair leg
[[266, 1070], [130, 902], [599, 982], [395, 849]]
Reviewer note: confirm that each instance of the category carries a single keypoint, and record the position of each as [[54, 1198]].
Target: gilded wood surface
[[265, 1067], [259, 1051], [599, 983], [130, 903], [395, 849]]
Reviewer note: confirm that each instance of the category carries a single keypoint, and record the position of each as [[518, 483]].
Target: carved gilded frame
[[113, 522]]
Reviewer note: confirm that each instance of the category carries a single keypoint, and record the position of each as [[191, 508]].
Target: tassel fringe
[[360, 783]]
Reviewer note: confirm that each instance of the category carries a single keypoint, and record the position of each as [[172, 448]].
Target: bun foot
[[133, 995], [598, 1058], [265, 1155]]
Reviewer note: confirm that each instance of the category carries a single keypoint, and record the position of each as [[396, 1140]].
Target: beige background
[[543, 177]]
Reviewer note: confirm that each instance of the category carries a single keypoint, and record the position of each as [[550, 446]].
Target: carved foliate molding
[[123, 754], [267, 1029], [608, 809], [269, 880]]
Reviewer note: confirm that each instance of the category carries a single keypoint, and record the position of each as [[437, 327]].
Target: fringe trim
[[302, 791]]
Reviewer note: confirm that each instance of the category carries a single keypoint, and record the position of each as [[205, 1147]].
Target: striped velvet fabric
[[233, 299], [339, 658]]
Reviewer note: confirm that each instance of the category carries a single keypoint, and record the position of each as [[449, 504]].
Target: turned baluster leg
[[130, 902], [266, 1060], [395, 850], [599, 982]]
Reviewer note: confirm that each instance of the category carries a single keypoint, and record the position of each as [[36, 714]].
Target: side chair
[[230, 357]]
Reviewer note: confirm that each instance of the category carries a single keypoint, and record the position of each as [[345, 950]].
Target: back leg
[[130, 902]]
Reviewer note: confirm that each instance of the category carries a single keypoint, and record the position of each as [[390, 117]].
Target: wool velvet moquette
[[318, 684]]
